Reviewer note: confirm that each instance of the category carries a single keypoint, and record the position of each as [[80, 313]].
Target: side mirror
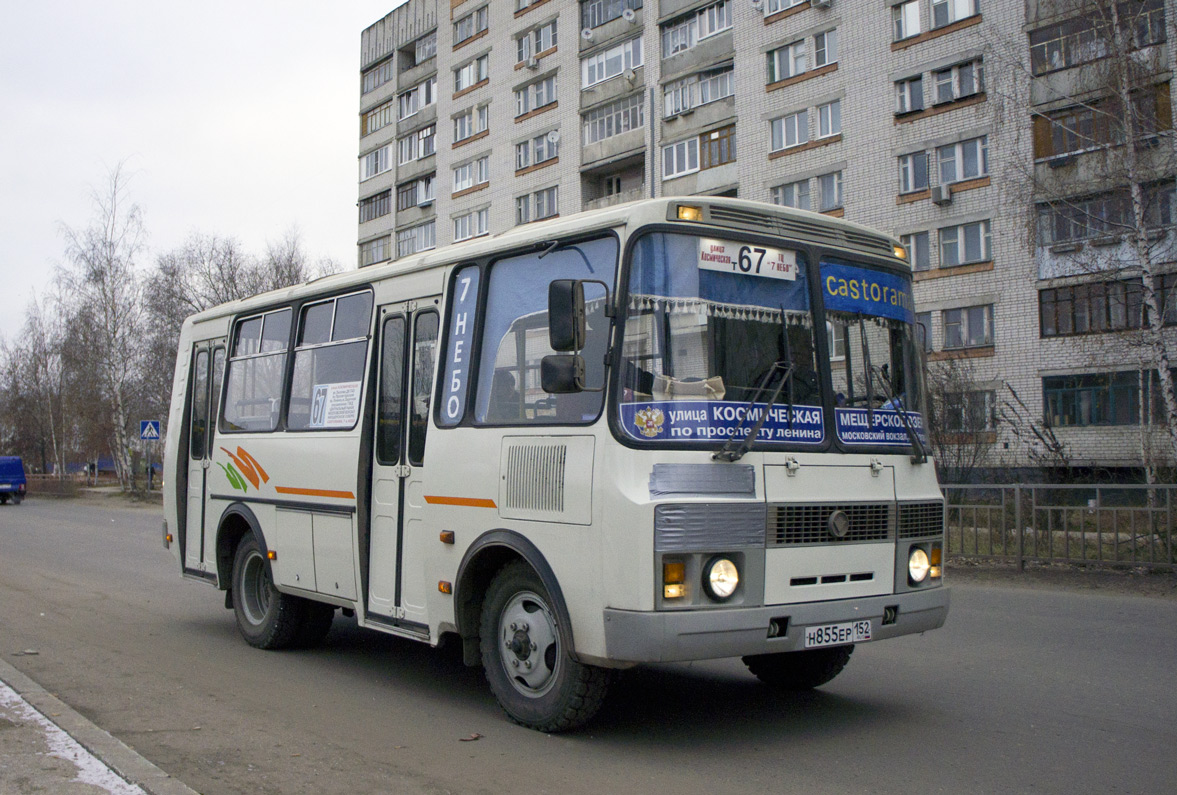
[[566, 315], [562, 375]]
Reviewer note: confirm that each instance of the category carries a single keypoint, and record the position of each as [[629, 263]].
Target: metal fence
[[1101, 525]]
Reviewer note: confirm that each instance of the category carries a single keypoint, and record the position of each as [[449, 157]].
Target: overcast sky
[[233, 118]]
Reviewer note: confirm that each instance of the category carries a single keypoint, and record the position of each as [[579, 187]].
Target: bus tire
[[530, 673], [267, 618], [316, 623], [799, 670]]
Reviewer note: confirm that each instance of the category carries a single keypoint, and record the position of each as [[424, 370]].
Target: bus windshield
[[718, 331]]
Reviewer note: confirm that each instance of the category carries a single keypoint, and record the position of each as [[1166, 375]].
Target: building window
[[686, 32], [521, 5], [689, 92], [471, 224], [829, 191], [1092, 399], [788, 61], [969, 412], [375, 162], [534, 151], [792, 194], [598, 12], [1090, 37], [969, 327], [909, 95], [536, 206], [535, 95], [611, 63], [417, 145], [616, 117], [471, 25], [425, 48], [913, 172], [476, 172], [419, 96], [471, 122], [416, 238], [829, 119], [378, 75], [378, 118], [376, 250], [375, 206], [918, 250], [791, 130], [533, 42], [964, 244], [471, 73], [945, 12], [416, 193], [1075, 219], [781, 5], [923, 330], [958, 82], [680, 158], [825, 48], [965, 160], [717, 147], [906, 19], [1095, 307]]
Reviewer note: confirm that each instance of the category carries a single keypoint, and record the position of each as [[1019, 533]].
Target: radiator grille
[[535, 479], [795, 525], [789, 227], [921, 519]]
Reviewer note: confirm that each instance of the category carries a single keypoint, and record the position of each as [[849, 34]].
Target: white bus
[[676, 429]]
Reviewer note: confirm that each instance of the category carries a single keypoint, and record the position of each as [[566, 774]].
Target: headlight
[[918, 565], [720, 578]]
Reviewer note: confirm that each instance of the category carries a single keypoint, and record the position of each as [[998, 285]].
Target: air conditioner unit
[[629, 15], [531, 62], [820, 3], [942, 194], [587, 34]]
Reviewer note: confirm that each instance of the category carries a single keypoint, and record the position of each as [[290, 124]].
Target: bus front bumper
[[672, 636]]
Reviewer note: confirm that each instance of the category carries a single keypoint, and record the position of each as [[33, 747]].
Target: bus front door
[[208, 367], [408, 348]]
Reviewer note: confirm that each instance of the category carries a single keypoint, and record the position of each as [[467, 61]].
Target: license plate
[[837, 634], [5, 485]]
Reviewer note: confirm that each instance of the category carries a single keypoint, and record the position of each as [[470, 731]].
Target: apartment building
[[962, 126]]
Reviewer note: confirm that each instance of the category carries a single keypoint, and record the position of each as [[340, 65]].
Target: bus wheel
[[799, 670], [315, 624], [266, 618], [535, 681]]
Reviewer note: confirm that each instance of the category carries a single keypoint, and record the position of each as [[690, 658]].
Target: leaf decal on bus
[[235, 479], [249, 467]]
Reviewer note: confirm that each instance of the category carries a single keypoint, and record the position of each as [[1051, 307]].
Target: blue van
[[12, 479]]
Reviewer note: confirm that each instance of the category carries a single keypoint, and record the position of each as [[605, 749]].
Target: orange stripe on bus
[[467, 502], [340, 495]]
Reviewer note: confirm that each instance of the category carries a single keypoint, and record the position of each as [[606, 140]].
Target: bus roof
[[738, 214]]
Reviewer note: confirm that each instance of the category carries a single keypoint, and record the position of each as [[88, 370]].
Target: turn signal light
[[447, 536], [445, 587], [272, 554], [937, 568], [674, 575], [899, 251]]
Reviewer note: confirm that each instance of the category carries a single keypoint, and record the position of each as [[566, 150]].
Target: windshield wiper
[[920, 456], [734, 452]]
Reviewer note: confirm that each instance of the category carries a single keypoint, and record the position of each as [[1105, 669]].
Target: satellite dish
[[587, 34], [628, 15], [554, 137], [630, 75]]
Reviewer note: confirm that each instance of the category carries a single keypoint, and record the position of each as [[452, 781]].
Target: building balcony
[[624, 196]]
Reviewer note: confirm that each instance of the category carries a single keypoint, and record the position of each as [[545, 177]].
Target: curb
[[114, 753]]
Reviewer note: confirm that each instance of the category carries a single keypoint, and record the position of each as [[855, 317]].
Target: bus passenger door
[[208, 367], [408, 342]]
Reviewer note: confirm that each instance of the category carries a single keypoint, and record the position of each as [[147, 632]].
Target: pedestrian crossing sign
[[149, 430]]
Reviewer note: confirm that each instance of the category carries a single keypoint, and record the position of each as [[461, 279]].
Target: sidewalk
[[46, 747]]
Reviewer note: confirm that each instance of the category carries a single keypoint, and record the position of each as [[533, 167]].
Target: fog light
[[917, 565], [674, 591], [720, 578]]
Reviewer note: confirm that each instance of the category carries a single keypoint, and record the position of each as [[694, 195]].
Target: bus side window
[[199, 405], [392, 368], [424, 355]]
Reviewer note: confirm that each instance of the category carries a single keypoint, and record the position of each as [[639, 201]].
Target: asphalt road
[[1049, 690]]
